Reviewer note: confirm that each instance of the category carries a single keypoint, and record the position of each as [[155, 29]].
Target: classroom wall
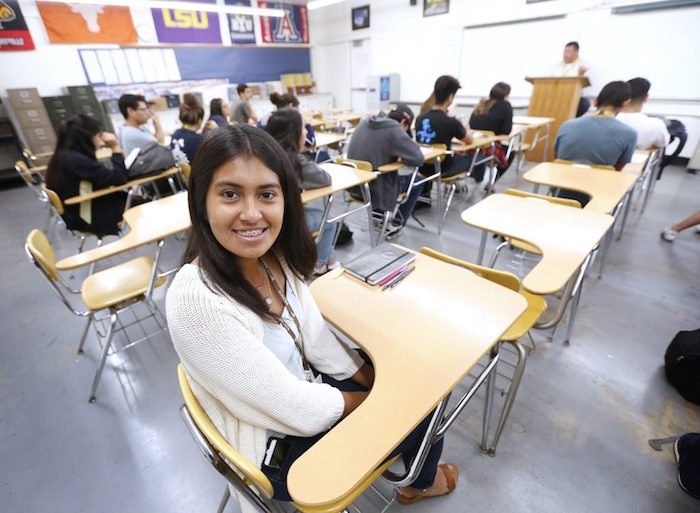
[[420, 49]]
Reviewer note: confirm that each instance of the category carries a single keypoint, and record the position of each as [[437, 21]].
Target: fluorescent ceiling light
[[316, 4], [187, 6]]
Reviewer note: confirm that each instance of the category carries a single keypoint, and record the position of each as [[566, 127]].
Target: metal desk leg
[[512, 390], [536, 188], [573, 311], [324, 218], [606, 248], [367, 197], [482, 247], [438, 169], [488, 404], [628, 203], [546, 143]]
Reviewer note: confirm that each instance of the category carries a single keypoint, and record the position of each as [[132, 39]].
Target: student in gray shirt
[[136, 114], [598, 138], [241, 111]]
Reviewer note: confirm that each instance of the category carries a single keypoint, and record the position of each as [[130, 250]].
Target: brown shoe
[[408, 495]]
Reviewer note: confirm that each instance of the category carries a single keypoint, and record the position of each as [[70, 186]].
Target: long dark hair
[[498, 93], [215, 107], [294, 241], [285, 126], [75, 134]]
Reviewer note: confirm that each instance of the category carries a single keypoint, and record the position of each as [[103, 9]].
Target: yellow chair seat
[[453, 178], [314, 234], [535, 306], [524, 246], [118, 284]]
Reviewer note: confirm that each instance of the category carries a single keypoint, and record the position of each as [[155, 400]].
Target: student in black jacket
[[74, 161], [496, 115]]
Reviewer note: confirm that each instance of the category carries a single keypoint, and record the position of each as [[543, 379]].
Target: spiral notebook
[[379, 263]]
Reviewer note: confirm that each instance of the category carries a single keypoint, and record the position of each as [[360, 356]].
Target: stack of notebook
[[379, 263]]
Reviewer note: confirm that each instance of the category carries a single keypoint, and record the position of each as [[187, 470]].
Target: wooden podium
[[553, 97]]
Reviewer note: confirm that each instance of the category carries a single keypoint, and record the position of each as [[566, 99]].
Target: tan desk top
[[606, 188], [423, 336], [479, 141], [531, 122], [343, 177], [430, 153], [315, 123], [564, 235], [114, 188], [391, 167], [339, 118], [327, 138], [103, 153], [149, 222]]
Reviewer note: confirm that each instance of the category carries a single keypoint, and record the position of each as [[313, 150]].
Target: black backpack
[[683, 364], [151, 160]]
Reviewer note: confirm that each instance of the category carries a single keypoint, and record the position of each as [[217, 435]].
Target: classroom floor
[[576, 439]]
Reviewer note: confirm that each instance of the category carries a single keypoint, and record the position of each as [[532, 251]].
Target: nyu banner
[[183, 26], [292, 28]]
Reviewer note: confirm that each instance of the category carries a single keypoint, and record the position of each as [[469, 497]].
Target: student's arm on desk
[[464, 134], [352, 401]]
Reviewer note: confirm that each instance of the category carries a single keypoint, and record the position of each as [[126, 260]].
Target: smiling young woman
[[258, 355]]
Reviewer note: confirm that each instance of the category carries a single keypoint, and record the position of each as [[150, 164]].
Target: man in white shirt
[[572, 66], [651, 131], [134, 133]]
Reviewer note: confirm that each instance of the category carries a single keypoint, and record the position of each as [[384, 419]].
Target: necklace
[[266, 281], [298, 340]]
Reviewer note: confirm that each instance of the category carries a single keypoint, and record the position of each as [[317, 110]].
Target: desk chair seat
[[115, 289], [520, 244], [185, 171], [582, 164], [535, 306], [32, 179], [239, 471]]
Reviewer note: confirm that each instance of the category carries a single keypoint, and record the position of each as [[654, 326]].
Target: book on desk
[[379, 263]]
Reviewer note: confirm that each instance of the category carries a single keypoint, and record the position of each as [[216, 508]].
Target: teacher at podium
[[572, 66]]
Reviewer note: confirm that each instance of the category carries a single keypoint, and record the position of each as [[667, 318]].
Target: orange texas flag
[[67, 23]]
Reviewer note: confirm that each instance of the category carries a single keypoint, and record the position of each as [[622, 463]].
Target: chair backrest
[[40, 251], [502, 278], [359, 164], [53, 199], [252, 475], [185, 169], [581, 164], [551, 199]]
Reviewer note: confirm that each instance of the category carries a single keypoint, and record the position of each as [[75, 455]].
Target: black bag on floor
[[687, 450], [683, 364]]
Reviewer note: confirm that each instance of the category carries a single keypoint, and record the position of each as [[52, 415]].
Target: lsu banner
[[292, 28], [14, 34], [184, 26], [78, 23], [241, 26]]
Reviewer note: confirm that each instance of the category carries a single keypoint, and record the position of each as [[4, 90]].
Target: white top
[[242, 386], [650, 131], [277, 340], [569, 70]]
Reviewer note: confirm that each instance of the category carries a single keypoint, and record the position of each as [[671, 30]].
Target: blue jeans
[[406, 209], [462, 162], [325, 245]]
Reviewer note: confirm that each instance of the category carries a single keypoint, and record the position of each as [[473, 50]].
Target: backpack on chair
[[683, 364]]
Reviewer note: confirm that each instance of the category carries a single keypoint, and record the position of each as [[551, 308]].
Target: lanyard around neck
[[298, 341], [604, 113]]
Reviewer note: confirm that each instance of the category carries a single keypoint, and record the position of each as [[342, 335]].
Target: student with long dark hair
[[74, 161], [185, 141], [287, 127], [258, 355], [219, 112]]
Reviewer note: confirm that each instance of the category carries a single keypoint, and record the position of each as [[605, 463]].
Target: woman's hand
[[109, 139]]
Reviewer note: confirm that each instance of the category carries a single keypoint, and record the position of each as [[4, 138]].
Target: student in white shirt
[[651, 131], [572, 66]]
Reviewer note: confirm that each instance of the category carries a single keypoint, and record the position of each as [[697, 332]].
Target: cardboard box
[[158, 103], [27, 98], [40, 136], [33, 117]]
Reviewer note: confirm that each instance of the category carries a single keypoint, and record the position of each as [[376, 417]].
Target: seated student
[[437, 126], [288, 100], [651, 131], [286, 126], [134, 133], [185, 141], [242, 112], [496, 115], [74, 161], [258, 355], [382, 139], [219, 111], [598, 138]]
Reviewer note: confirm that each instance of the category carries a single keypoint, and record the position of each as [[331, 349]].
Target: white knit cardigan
[[242, 386]]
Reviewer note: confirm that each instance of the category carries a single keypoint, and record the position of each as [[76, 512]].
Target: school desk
[[423, 336], [537, 124], [565, 237]]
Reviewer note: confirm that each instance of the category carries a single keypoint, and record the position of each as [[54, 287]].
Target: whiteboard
[[662, 46]]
